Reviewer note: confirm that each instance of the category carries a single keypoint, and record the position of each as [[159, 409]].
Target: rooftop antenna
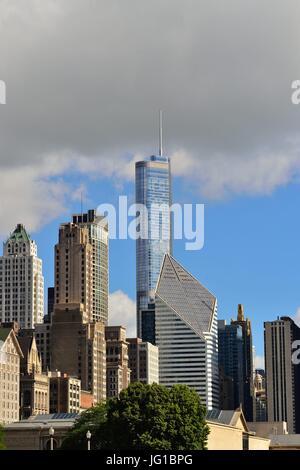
[[160, 132], [81, 205]]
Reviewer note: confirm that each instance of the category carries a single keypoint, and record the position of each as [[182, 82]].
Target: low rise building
[[33, 433], [229, 431]]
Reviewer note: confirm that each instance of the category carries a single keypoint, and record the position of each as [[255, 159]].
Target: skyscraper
[[248, 402], [78, 329], [81, 267], [186, 332], [230, 343], [282, 375], [153, 191], [21, 281], [98, 238]]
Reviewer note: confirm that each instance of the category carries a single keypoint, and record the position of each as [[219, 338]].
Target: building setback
[[282, 374], [21, 281], [77, 338], [186, 332]]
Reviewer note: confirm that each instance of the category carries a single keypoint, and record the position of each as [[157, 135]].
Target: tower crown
[[240, 316]]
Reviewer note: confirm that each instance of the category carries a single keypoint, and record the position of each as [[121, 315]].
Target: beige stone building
[[229, 431], [81, 265], [33, 433], [10, 355], [78, 348], [34, 385], [73, 269], [77, 336], [117, 369], [65, 393]]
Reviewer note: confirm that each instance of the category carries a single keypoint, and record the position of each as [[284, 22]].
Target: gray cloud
[[85, 79]]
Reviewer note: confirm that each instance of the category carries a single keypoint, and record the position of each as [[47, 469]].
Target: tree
[[145, 417], [2, 444], [93, 420]]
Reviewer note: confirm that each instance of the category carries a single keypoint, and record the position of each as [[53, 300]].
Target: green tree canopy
[[2, 444], [144, 417]]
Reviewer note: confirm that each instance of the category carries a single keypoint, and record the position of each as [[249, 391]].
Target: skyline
[[81, 106], [207, 275]]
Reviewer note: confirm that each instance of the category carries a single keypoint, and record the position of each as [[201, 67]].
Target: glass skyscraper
[[153, 191], [230, 342]]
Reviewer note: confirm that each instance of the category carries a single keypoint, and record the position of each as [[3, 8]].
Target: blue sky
[[251, 253]]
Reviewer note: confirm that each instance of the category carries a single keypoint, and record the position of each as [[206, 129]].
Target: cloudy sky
[[85, 80]]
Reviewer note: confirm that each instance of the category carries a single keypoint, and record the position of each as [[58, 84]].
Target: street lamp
[[51, 434], [88, 436]]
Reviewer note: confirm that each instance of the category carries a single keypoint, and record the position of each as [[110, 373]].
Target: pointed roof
[[4, 334], [19, 234], [192, 302], [233, 418]]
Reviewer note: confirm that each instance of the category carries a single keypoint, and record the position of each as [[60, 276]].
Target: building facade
[[65, 393], [42, 334], [98, 238], [117, 368], [34, 385], [143, 361], [260, 409], [78, 348], [153, 191], [77, 335], [187, 332], [21, 281], [247, 358], [230, 344], [74, 268], [282, 373], [10, 356]]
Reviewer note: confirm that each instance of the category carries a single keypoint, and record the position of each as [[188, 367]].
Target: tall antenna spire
[[160, 133]]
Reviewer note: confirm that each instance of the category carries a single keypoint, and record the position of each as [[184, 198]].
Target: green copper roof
[[19, 234]]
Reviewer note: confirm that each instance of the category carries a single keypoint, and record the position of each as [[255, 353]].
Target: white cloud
[[259, 362], [122, 312], [296, 317], [85, 82], [225, 175]]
